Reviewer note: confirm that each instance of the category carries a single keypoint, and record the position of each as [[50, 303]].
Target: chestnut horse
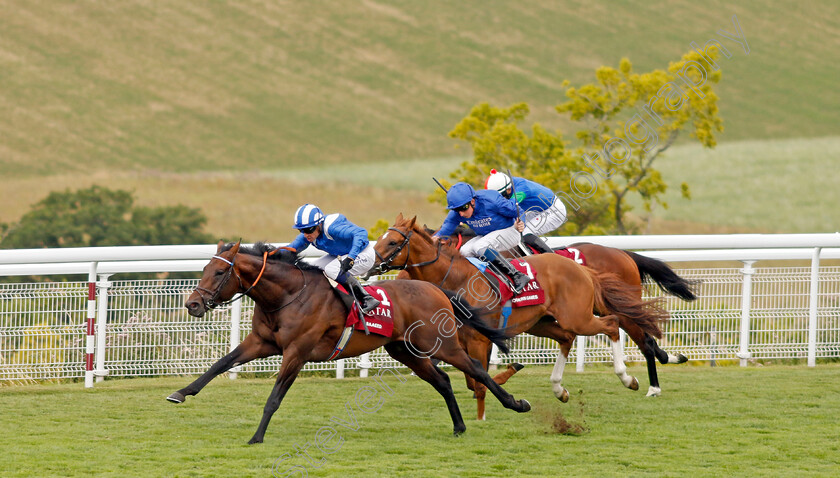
[[631, 268], [572, 294], [298, 315]]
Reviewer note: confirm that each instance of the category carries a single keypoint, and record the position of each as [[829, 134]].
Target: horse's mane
[[448, 247], [464, 230], [283, 256]]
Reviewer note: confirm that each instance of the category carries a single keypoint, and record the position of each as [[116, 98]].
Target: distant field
[[748, 186], [724, 421], [767, 186]]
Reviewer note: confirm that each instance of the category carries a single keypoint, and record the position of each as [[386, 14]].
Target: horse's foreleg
[[250, 348], [288, 373]]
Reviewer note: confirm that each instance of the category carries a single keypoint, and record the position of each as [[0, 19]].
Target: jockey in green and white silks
[[543, 211], [493, 218], [349, 252]]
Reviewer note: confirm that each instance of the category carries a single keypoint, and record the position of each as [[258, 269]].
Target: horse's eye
[[392, 243], [219, 272]]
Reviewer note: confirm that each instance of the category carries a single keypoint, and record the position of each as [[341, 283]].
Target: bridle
[[213, 302], [385, 263]]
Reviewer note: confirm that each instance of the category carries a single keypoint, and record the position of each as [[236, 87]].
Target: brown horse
[[298, 315], [572, 294], [631, 268]]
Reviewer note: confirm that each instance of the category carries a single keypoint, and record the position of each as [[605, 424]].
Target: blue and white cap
[[308, 215]]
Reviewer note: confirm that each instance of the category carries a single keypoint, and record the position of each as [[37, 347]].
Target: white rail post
[[235, 327], [746, 300], [101, 325], [364, 364], [580, 352], [339, 368], [812, 308], [90, 330], [495, 361]]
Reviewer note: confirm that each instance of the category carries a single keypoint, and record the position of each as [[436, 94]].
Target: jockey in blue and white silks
[[495, 221], [543, 210], [349, 252]]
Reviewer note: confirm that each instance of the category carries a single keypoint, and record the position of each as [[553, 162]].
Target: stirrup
[[368, 304], [536, 243], [518, 288]]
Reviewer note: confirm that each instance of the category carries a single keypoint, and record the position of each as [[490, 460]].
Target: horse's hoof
[[526, 406], [516, 366], [176, 397], [681, 358], [458, 431], [654, 392], [563, 396], [634, 385], [255, 440]]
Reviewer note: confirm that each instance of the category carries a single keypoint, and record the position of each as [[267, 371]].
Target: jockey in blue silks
[[543, 210], [349, 252], [495, 221]]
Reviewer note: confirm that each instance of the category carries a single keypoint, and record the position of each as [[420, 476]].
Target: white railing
[[141, 327]]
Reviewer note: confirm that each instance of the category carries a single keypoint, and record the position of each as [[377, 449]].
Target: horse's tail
[[614, 296], [664, 276], [472, 316]]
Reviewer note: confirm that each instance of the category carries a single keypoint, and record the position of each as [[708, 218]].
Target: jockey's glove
[[346, 265]]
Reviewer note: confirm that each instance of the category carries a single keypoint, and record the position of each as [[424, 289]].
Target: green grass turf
[[725, 421]]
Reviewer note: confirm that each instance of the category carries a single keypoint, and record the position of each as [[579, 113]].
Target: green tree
[[627, 121], [98, 216]]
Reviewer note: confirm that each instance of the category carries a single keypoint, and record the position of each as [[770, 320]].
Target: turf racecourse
[[724, 421]]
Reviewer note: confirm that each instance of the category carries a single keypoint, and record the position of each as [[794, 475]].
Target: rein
[[385, 263], [231, 270]]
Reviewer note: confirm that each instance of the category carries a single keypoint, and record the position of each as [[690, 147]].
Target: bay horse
[[298, 314], [572, 294], [633, 269]]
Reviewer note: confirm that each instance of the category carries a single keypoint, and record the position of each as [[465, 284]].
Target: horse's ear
[[235, 249], [220, 246], [410, 224], [399, 219]]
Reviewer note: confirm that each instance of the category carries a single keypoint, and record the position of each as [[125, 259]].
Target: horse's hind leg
[[423, 368], [458, 358], [609, 326], [663, 356]]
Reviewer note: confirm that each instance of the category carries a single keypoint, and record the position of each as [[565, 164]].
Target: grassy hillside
[[190, 102], [744, 186], [195, 85]]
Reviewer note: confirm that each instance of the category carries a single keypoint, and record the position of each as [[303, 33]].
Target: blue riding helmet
[[308, 215], [458, 195]]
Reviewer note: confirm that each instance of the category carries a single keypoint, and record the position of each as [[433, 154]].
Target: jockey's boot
[[536, 243], [518, 279], [366, 301]]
